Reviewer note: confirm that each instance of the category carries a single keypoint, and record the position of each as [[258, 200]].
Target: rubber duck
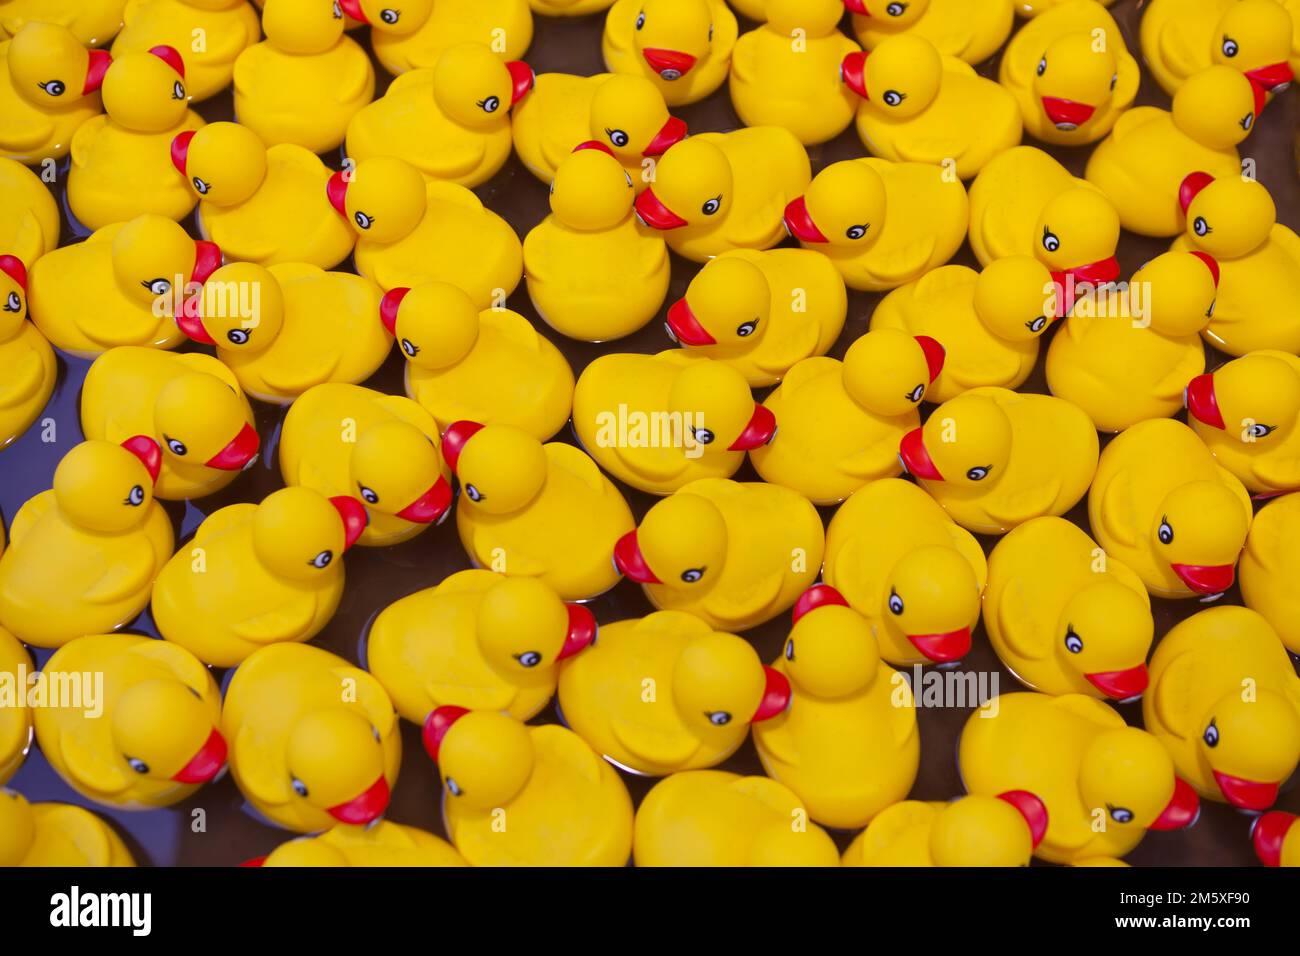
[[306, 80], [305, 755], [735, 554], [1275, 838], [761, 312], [153, 737], [16, 718], [258, 574], [83, 555], [284, 329], [121, 164], [1127, 351], [1104, 784], [515, 493], [593, 272], [1142, 164], [974, 830], [30, 367], [190, 404], [412, 34], [93, 23], [410, 232], [56, 834], [1225, 702], [882, 224], [1163, 506], [715, 818], [1077, 233], [383, 843], [659, 422], [666, 693], [29, 216], [785, 72], [716, 192], [1268, 567], [917, 105], [903, 565], [229, 28], [91, 296], [994, 458], [490, 366], [1233, 219], [261, 205], [972, 32], [566, 806], [451, 122], [841, 422], [49, 86], [683, 46]]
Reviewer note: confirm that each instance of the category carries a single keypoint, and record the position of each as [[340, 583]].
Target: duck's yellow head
[[1254, 36], [392, 17], [978, 830], [153, 258], [692, 187], [240, 308], [591, 192], [729, 302], [845, 207], [335, 759], [303, 26], [1103, 634], [17, 827], [816, 18], [1255, 397], [1228, 217], [1199, 531], [146, 91], [1075, 78], [485, 757], [628, 114], [888, 371], [1277, 839], [718, 410], [108, 488], [225, 163], [524, 630], [384, 198], [1251, 744], [501, 468], [931, 598], [435, 324], [1015, 298], [681, 543], [1217, 107], [720, 687], [889, 14], [51, 69], [900, 78], [397, 470], [13, 296], [673, 35], [1077, 227], [200, 420], [1177, 292], [966, 441], [831, 651], [1127, 777], [301, 535], [163, 730], [476, 88]]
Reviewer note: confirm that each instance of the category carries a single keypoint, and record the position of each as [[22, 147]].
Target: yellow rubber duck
[[1104, 784], [882, 224], [666, 693], [190, 404], [15, 719], [841, 422], [994, 458], [1064, 617], [534, 510], [734, 554], [410, 232], [306, 80], [490, 366], [684, 46], [122, 286], [1277, 839], [1142, 164], [121, 161], [261, 205], [306, 755], [150, 739], [566, 806], [658, 422], [1077, 233], [761, 312], [1163, 506], [30, 367], [593, 272], [972, 32], [56, 834], [902, 564], [920, 106], [412, 34], [83, 555], [229, 28], [785, 72], [93, 23], [383, 843], [451, 122], [284, 329], [715, 818], [1070, 73], [1269, 565], [716, 192], [49, 86], [1233, 219], [29, 219], [258, 574]]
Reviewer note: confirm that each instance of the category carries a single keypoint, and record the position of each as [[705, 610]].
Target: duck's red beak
[[1191, 187], [942, 648], [760, 430], [1205, 579], [819, 595], [673, 132], [1269, 834], [192, 325], [800, 224], [205, 764], [1032, 809], [776, 696], [431, 505], [669, 64], [454, 439], [354, 517], [853, 73], [148, 451], [1067, 114], [364, 807], [581, 634], [1120, 685], [654, 213], [915, 458], [336, 191], [1211, 263], [685, 328], [934, 355], [629, 560], [1246, 794], [857, 6], [353, 9], [171, 56], [13, 267], [388, 306], [1202, 404], [522, 79], [1183, 809], [1273, 78], [98, 62], [436, 726], [207, 260], [241, 450], [181, 149]]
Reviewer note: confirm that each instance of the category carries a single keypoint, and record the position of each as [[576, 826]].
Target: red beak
[[192, 325], [353, 9], [817, 596], [1202, 403], [912, 453], [776, 696], [98, 63], [1067, 114], [241, 450], [1190, 187], [674, 132], [1273, 78], [522, 79], [431, 505], [13, 267], [353, 514], [171, 56], [207, 763], [1246, 794], [942, 648], [1205, 579], [1183, 809], [181, 149], [454, 439], [594, 144], [147, 450], [760, 430], [1032, 809], [365, 807], [629, 560], [1211, 263], [388, 306], [852, 72], [436, 726], [582, 631], [800, 224], [207, 260], [336, 191], [669, 64], [857, 6], [934, 354], [1269, 834], [685, 327], [654, 213], [1120, 685]]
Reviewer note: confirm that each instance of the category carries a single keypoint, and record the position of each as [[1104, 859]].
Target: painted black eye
[[1051, 242], [746, 329], [1248, 121], [178, 91], [338, 11], [13, 302], [529, 658], [1261, 431], [691, 575], [1114, 81], [157, 286], [1073, 642], [617, 137], [1229, 47], [896, 9], [200, 186], [916, 394], [895, 603], [1211, 735], [390, 16], [473, 493], [410, 348], [893, 97], [53, 87], [139, 766], [237, 336], [789, 650], [640, 20], [1121, 814], [135, 498], [1209, 313], [490, 105], [712, 206], [1201, 227], [454, 787], [719, 718], [322, 560], [857, 232], [176, 446], [370, 497], [979, 472], [299, 787], [703, 435], [1042, 66], [1165, 532], [363, 220], [1037, 325]]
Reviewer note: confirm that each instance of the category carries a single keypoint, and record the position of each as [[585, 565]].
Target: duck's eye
[[617, 137], [640, 20], [710, 32], [473, 493], [454, 787], [702, 435], [1037, 325], [490, 105], [237, 336], [712, 206], [135, 497], [157, 286], [1073, 642], [979, 472], [13, 302], [1120, 814], [896, 9], [746, 329], [895, 603], [789, 650], [1211, 735], [1201, 227], [916, 394], [529, 658], [410, 348], [1229, 47], [175, 445], [53, 87], [338, 11], [178, 90], [363, 220], [370, 497], [1114, 81], [389, 15], [322, 560], [1262, 431], [1051, 242], [139, 766], [200, 186], [1042, 66], [1209, 313], [893, 97], [627, 176], [1165, 532], [691, 575], [1248, 121], [718, 718], [857, 232], [299, 787]]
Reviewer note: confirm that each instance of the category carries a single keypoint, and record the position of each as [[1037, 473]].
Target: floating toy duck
[[996, 458], [841, 422], [566, 806], [684, 46], [666, 693], [1232, 744], [258, 574], [29, 218], [1163, 506], [306, 80], [761, 312], [972, 32], [594, 272], [1276, 839], [153, 737], [15, 719], [290, 327], [715, 818], [1077, 233], [190, 404], [383, 843], [490, 366], [49, 86], [881, 224], [410, 232], [735, 554], [83, 555], [515, 493], [229, 27], [93, 24], [716, 192], [1269, 565], [917, 106], [412, 34], [1065, 618], [305, 754], [30, 367], [261, 205], [56, 834], [973, 830]]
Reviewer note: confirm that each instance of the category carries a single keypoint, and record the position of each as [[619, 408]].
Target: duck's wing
[[1019, 506], [873, 461], [572, 751], [22, 379], [763, 790], [130, 570], [1171, 694], [223, 520], [799, 344], [181, 663], [737, 603], [31, 512], [665, 747], [301, 372], [1016, 621], [1280, 469], [353, 81], [1179, 53], [289, 619], [1190, 364], [1118, 509], [485, 540], [84, 141], [370, 697], [80, 828], [88, 764], [261, 774]]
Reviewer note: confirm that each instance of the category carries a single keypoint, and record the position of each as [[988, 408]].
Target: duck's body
[[36, 124], [1270, 562], [385, 844], [229, 27], [29, 223], [683, 46], [31, 368], [968, 831], [1007, 198], [16, 720], [504, 25], [56, 834], [93, 24], [1181, 39], [971, 31]]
